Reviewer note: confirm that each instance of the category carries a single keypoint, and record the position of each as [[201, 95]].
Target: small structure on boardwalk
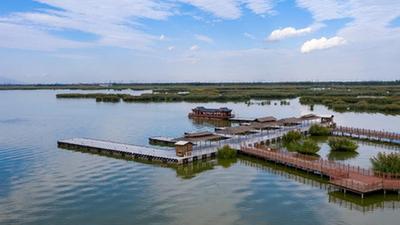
[[310, 118], [183, 148], [267, 119], [221, 113], [327, 120], [291, 121]]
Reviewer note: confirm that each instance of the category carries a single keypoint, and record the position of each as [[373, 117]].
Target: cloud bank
[[287, 32], [322, 43]]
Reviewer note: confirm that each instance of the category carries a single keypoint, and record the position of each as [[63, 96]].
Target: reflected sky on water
[[41, 184]]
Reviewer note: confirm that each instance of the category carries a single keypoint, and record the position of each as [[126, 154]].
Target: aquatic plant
[[226, 152], [337, 155], [291, 136], [342, 144], [318, 130], [386, 163], [306, 146]]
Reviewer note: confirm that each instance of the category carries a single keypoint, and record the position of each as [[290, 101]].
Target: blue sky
[[70, 41]]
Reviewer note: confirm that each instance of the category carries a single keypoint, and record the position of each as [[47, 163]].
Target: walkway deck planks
[[355, 179], [384, 136]]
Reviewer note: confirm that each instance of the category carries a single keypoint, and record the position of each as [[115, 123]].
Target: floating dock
[[134, 151]]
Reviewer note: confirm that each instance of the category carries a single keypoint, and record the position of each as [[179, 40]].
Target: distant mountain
[[5, 80]]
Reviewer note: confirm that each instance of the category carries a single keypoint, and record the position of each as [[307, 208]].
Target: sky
[[84, 41]]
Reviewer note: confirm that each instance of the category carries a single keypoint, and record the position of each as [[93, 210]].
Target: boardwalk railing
[[357, 185], [367, 133], [344, 175]]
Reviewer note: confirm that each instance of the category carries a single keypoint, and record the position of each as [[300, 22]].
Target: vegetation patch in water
[[304, 146], [318, 130], [291, 137], [351, 96], [295, 141], [226, 152], [386, 163], [342, 144]]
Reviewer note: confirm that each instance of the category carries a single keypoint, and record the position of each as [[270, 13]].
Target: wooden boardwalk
[[133, 151], [384, 136], [347, 177]]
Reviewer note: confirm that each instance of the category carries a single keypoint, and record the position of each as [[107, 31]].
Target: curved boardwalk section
[[347, 177], [367, 134]]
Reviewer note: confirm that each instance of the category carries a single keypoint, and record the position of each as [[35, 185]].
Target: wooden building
[[202, 112], [183, 148]]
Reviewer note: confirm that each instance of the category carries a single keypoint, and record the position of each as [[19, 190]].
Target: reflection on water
[[361, 157], [371, 202], [374, 201], [41, 184], [191, 170], [211, 122], [226, 163], [340, 156], [110, 91]]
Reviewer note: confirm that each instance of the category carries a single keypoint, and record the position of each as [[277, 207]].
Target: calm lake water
[[41, 184]]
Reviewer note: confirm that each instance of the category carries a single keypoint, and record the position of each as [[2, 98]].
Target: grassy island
[[295, 141], [342, 144], [318, 130]]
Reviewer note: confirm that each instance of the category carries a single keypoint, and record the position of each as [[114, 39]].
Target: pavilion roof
[[236, 130], [309, 117], [265, 119]]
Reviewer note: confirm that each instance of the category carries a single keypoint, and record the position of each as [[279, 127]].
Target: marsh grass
[[386, 163], [342, 144]]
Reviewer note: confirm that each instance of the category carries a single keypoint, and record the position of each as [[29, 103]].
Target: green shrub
[[342, 144], [387, 163], [318, 130], [309, 146], [291, 136], [226, 152], [306, 146]]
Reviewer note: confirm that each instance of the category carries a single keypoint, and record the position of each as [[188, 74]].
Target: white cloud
[[226, 9], [327, 9], [117, 23], [231, 9], [24, 37], [368, 19], [171, 48], [113, 22], [162, 37], [204, 38], [194, 48], [287, 32], [322, 43], [260, 6], [248, 35]]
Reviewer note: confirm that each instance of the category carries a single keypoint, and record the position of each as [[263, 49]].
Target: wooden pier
[[133, 151], [368, 134], [346, 177]]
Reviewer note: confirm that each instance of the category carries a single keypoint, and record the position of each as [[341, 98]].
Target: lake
[[41, 184]]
